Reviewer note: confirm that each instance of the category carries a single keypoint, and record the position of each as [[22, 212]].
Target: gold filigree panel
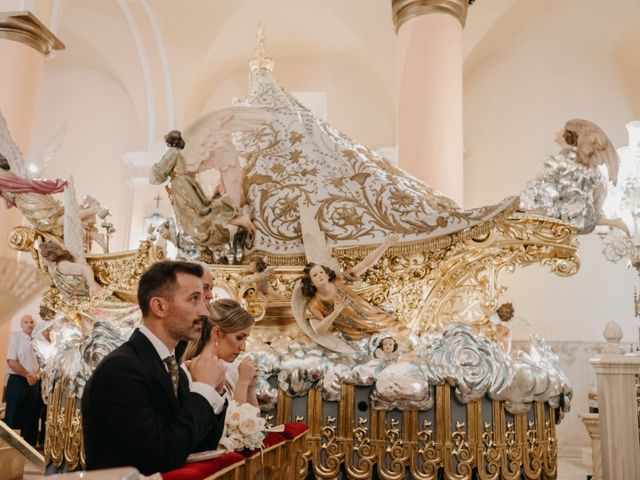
[[488, 445]]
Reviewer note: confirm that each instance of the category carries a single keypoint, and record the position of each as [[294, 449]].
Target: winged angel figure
[[323, 302], [572, 187], [67, 266], [30, 195], [203, 145], [19, 189]]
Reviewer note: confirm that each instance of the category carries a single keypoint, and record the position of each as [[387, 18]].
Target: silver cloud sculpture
[[474, 365], [403, 386], [537, 377]]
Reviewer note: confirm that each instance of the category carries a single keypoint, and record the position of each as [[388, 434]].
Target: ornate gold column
[[23, 42], [430, 142]]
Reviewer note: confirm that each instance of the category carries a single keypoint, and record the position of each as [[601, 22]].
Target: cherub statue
[[386, 349], [502, 321], [571, 187], [74, 279], [324, 303], [259, 277], [210, 221]]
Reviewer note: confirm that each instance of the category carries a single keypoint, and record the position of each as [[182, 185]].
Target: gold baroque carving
[[360, 461], [330, 449], [392, 457], [25, 28], [489, 455], [63, 444], [470, 272], [427, 454], [517, 447], [404, 10], [22, 238]]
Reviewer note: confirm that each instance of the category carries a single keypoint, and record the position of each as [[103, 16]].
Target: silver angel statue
[[572, 188]]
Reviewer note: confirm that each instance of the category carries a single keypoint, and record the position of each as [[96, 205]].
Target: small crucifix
[[158, 199]]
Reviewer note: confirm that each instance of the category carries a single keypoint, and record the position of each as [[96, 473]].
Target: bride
[[225, 335]]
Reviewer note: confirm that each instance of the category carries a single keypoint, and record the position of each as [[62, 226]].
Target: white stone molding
[[592, 424], [617, 374]]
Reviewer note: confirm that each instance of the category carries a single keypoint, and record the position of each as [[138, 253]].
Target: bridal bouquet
[[244, 427]]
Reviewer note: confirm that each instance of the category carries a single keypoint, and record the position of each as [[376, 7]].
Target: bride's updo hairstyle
[[226, 314]]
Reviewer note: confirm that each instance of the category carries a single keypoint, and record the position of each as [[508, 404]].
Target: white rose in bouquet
[[233, 417], [244, 428], [238, 441], [248, 426]]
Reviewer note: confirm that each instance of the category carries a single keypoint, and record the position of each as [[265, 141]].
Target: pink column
[[430, 142]]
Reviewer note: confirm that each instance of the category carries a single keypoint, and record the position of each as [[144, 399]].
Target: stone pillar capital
[[404, 10], [24, 27]]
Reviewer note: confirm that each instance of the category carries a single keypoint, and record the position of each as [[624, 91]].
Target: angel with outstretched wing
[[18, 189], [67, 265], [209, 145], [205, 144], [572, 187], [594, 149], [323, 301]]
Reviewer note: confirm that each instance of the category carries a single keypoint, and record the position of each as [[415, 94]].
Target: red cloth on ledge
[[294, 429], [200, 470]]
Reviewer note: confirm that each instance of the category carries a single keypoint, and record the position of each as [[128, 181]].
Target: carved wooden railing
[[477, 440]]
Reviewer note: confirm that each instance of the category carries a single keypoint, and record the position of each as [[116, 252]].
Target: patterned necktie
[[172, 365]]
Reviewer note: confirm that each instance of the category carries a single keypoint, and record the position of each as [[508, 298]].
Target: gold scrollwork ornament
[[463, 454], [328, 459], [533, 458], [550, 459], [511, 460], [424, 465], [489, 459], [359, 464], [393, 458]]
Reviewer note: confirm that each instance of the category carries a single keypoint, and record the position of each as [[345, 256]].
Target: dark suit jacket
[[131, 416]]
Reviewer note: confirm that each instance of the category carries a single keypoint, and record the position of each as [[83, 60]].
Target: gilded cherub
[[259, 277], [503, 321]]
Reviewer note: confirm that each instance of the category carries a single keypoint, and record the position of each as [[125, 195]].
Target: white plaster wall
[[358, 104], [102, 125]]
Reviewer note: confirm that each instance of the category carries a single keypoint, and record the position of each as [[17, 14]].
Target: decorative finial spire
[[261, 61]]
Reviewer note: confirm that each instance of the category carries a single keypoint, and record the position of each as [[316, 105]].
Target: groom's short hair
[[160, 280]]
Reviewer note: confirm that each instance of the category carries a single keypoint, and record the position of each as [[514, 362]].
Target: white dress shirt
[[207, 391], [21, 351]]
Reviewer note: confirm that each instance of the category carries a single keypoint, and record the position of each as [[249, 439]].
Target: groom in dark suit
[[138, 408]]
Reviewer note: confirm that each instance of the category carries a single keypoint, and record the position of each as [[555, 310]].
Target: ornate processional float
[[377, 299]]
